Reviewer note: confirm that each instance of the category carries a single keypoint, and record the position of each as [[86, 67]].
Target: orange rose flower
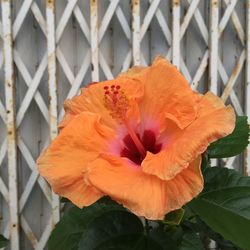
[[138, 139]]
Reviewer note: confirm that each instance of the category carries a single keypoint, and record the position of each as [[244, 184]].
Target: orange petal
[[143, 194], [185, 185], [92, 99], [214, 121], [166, 92], [132, 72], [209, 103], [63, 162]]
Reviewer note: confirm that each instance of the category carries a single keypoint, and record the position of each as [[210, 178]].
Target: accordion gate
[[49, 49]]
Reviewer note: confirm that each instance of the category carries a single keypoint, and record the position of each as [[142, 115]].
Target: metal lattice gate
[[49, 49]]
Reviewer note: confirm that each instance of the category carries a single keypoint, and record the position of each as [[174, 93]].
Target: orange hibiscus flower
[[138, 139]]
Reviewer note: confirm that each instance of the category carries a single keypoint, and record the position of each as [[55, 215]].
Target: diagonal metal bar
[[221, 69], [201, 24], [123, 21], [3, 189], [200, 71], [107, 18], [64, 19], [2, 111], [28, 80], [39, 17], [82, 22], [226, 16], [164, 26], [232, 80], [237, 24], [148, 17], [80, 76], [32, 178], [190, 12], [233, 96], [21, 16], [45, 236], [32, 90]]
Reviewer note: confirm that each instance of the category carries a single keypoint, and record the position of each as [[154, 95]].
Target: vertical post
[[10, 123], [136, 27], [94, 40], [247, 102], [213, 59], [176, 33], [52, 85], [213, 62]]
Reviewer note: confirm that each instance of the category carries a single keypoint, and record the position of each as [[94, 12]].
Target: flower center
[[132, 151], [135, 148]]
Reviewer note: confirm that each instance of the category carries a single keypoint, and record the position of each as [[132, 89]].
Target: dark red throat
[[148, 140]]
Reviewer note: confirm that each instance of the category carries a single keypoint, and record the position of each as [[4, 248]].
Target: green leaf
[[208, 233], [113, 228], [115, 231], [205, 162], [106, 226], [232, 144], [174, 217], [3, 241], [167, 239], [224, 205], [107, 200], [68, 232], [190, 241], [128, 242], [222, 178]]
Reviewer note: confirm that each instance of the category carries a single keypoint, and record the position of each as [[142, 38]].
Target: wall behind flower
[[95, 41]]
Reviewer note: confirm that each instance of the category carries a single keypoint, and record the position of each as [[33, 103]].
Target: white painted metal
[[176, 33], [10, 123], [136, 32], [94, 39], [213, 62], [148, 17], [233, 78], [52, 81], [73, 42]]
